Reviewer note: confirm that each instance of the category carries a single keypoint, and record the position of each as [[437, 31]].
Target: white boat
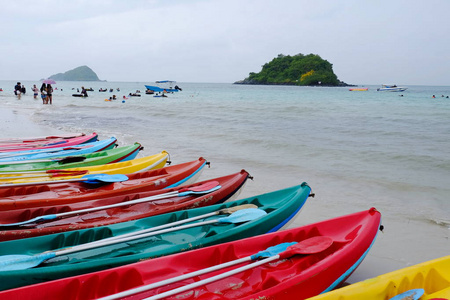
[[391, 88]]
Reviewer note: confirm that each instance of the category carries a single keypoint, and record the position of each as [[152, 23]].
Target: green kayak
[[92, 159], [274, 209]]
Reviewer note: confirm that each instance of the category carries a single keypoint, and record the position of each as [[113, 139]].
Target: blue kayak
[[60, 151]]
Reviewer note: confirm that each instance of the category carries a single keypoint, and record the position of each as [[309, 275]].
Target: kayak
[[135, 165], [56, 193], [51, 144], [291, 277], [59, 151], [92, 159], [38, 139], [228, 186], [432, 276], [273, 210]]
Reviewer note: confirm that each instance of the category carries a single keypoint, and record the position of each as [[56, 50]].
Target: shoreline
[[405, 241]]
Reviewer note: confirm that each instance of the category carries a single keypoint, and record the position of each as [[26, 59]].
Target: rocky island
[[304, 70], [83, 73]]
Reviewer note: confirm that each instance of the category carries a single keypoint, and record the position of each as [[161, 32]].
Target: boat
[[91, 159], [56, 193], [332, 250], [59, 152], [53, 144], [80, 95], [228, 186], [40, 138], [155, 161], [163, 86], [433, 277], [270, 213], [359, 89], [391, 88]]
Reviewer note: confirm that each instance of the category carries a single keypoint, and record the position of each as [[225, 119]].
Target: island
[[304, 70], [83, 73]]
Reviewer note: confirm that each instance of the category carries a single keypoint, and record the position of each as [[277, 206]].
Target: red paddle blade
[[202, 187], [309, 246]]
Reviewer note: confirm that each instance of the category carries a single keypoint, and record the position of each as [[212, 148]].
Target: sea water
[[355, 149]]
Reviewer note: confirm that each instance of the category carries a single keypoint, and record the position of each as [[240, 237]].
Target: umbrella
[[49, 81]]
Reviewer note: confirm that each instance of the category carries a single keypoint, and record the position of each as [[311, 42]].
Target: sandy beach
[[17, 124]]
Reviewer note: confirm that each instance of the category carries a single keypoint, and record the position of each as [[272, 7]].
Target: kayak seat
[[75, 237], [17, 191]]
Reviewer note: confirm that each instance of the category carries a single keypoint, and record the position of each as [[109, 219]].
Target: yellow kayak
[[432, 276], [131, 166]]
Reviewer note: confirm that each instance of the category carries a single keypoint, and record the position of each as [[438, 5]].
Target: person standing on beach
[[35, 91], [18, 90], [49, 93], [44, 93]]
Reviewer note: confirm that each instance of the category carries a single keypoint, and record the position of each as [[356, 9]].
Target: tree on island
[[299, 69]]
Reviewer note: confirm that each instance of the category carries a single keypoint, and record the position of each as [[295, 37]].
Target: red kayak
[[70, 192], [228, 187], [316, 258], [49, 144]]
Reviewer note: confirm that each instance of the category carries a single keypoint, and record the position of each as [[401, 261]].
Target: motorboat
[[391, 88]]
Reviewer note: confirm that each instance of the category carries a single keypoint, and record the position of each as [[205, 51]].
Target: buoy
[[123, 101]]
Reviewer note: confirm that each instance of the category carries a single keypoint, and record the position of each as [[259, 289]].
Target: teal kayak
[[279, 207]]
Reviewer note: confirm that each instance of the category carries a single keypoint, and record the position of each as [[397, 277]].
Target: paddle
[[309, 246], [223, 211], [47, 173], [39, 151], [22, 262], [205, 188], [90, 178], [414, 294], [63, 160]]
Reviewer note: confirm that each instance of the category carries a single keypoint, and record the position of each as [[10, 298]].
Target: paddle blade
[[271, 251], [230, 210], [23, 262], [409, 295], [201, 188], [309, 246], [243, 215], [96, 178]]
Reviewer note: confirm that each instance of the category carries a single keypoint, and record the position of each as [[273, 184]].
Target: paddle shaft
[[132, 202], [103, 243], [214, 278], [44, 174], [176, 223], [36, 152], [63, 160], [41, 182], [175, 279]]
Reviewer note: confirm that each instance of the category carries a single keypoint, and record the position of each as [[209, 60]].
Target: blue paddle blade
[[23, 262], [243, 215], [271, 251], [414, 294], [34, 220], [96, 178]]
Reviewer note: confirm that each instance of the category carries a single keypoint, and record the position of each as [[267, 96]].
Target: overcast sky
[[368, 42]]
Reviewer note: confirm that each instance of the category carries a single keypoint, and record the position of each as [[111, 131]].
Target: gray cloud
[[370, 42]]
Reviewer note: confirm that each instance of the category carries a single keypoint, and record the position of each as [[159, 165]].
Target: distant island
[[305, 70], [83, 73]]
